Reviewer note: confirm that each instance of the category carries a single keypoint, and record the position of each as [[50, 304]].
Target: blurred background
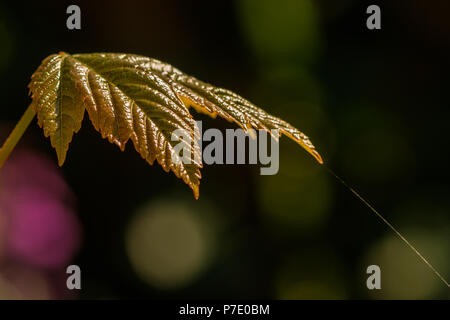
[[375, 104]]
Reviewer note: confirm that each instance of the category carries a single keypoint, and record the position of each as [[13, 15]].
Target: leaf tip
[[61, 158], [316, 155], [312, 152], [196, 191]]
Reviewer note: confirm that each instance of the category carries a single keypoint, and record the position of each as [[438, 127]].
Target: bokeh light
[[403, 274], [168, 245], [39, 230], [42, 228], [281, 31]]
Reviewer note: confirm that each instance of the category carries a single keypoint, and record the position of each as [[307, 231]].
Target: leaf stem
[[16, 134]]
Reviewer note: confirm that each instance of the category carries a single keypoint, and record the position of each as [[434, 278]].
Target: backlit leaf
[[131, 97]]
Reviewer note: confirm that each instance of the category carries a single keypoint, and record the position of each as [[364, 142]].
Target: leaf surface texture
[[132, 97]]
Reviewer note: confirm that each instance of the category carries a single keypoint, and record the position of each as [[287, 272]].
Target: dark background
[[374, 102]]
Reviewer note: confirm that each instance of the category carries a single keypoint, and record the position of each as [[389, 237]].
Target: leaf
[[131, 97]]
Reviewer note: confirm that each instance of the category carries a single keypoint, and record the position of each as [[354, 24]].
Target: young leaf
[[134, 97]]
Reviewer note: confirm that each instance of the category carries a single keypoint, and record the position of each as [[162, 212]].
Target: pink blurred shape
[[41, 227]]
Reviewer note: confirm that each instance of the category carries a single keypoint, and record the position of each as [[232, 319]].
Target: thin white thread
[[390, 226]]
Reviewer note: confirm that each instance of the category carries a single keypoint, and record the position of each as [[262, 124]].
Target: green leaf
[[131, 97]]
